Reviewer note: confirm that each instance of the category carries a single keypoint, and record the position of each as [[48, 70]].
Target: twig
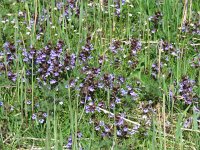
[[185, 129], [7, 138]]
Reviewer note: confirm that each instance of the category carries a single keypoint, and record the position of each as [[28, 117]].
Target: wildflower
[[119, 133], [61, 102], [115, 46], [44, 115], [90, 108], [123, 92], [136, 46], [120, 119], [97, 128], [117, 100], [41, 121], [101, 123], [107, 129], [186, 90], [69, 144], [28, 102], [1, 103], [103, 134], [53, 81], [123, 2], [37, 105], [125, 128], [112, 105], [132, 93], [155, 21], [34, 116], [12, 108], [91, 88], [187, 123]]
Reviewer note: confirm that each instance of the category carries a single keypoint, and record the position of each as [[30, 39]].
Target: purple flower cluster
[[168, 48], [188, 122], [155, 69], [192, 28], [117, 6], [7, 58], [49, 63], [70, 141], [115, 46], [146, 107], [108, 81], [1, 103], [123, 128], [70, 7], [136, 46], [186, 89], [155, 20], [89, 85], [40, 117], [9, 52], [86, 50]]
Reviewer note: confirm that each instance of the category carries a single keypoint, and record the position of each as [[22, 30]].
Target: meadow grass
[[101, 74]]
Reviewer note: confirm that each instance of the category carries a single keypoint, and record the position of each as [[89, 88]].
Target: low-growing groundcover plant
[[99, 74]]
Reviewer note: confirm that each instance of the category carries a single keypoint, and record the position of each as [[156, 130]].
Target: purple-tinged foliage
[[155, 20], [186, 90], [136, 46]]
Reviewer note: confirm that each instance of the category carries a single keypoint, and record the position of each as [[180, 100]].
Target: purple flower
[[187, 123], [146, 110], [107, 129], [123, 2], [91, 88], [87, 109], [6, 45], [123, 92], [53, 81], [90, 108], [44, 115], [100, 85], [97, 128], [125, 129], [34, 117], [115, 46], [186, 90], [59, 5], [132, 132], [41, 121], [120, 122], [101, 123], [28, 102], [119, 133], [12, 76], [66, 86], [103, 134], [112, 105], [79, 135], [72, 83], [121, 79], [1, 103], [136, 46], [117, 100], [69, 144], [56, 74], [132, 93]]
